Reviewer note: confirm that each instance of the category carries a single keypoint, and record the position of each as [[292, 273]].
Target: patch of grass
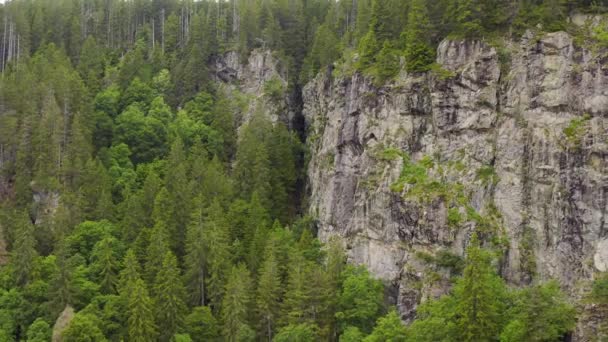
[[455, 218], [576, 130], [390, 154], [441, 73], [487, 175]]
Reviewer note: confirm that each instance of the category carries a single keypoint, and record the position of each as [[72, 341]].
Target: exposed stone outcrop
[[514, 141], [250, 79], [62, 323]]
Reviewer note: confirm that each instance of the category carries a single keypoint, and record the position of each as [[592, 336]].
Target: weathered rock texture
[[62, 323], [246, 82], [514, 143]]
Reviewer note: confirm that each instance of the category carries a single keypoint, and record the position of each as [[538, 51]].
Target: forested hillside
[[146, 195]]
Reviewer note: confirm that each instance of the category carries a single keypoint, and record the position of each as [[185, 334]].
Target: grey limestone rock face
[[514, 140], [248, 79]]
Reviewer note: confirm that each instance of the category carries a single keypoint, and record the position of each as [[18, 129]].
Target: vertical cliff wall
[[511, 141]]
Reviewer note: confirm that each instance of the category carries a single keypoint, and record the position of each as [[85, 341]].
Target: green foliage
[[121, 119], [83, 328], [419, 55], [169, 297], [387, 63], [235, 311], [540, 313], [298, 333], [351, 334], [39, 331], [360, 302], [140, 313], [388, 328], [575, 131], [487, 175], [202, 325], [274, 89], [368, 47]]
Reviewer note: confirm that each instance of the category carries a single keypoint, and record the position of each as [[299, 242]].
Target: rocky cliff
[[511, 141]]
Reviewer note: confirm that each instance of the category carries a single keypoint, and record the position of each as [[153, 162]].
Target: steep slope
[[512, 141]]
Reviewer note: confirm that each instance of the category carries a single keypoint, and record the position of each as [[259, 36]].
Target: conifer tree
[[202, 325], [468, 18], [418, 53], [216, 238], [156, 251], [129, 274], [296, 304], [235, 305], [24, 251], [169, 299], [196, 256], [105, 263], [380, 20], [269, 294], [368, 47], [387, 63], [141, 327], [480, 294]]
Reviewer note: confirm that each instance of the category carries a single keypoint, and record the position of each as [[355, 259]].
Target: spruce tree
[[387, 63], [196, 256], [418, 53], [140, 313], [156, 251], [216, 238], [106, 265], [235, 305], [169, 299], [269, 294], [24, 251], [481, 296], [368, 47], [468, 18]]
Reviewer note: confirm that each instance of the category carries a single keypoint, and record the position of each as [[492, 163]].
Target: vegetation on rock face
[[132, 190]]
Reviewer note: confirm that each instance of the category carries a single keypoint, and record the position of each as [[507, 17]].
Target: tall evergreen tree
[[418, 52], [269, 294], [481, 297], [141, 327], [169, 299], [235, 305], [24, 251]]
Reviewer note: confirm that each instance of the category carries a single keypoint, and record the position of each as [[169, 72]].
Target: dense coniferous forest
[[175, 220]]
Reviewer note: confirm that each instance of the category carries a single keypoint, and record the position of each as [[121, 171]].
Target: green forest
[[173, 220]]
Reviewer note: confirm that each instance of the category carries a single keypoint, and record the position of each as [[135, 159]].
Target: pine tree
[[169, 299], [418, 53], [235, 305], [140, 314]]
